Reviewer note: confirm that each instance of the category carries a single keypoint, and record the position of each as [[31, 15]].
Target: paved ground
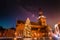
[[28, 39]]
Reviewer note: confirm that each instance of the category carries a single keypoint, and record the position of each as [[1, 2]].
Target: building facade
[[33, 29]]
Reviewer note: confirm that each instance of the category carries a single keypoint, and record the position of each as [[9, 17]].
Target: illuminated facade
[[19, 29], [34, 29]]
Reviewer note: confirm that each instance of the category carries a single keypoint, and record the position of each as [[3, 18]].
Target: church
[[33, 29]]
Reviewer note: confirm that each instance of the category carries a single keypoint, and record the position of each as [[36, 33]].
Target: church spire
[[41, 14], [40, 11], [41, 18]]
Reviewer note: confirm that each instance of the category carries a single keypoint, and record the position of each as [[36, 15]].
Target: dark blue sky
[[12, 10]]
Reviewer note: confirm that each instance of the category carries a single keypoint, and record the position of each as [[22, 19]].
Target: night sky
[[12, 10]]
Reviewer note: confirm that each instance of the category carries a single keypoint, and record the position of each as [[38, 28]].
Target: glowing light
[[56, 25], [15, 38]]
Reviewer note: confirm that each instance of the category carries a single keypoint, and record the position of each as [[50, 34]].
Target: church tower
[[44, 28], [41, 18]]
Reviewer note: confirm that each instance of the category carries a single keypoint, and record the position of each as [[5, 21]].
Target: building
[[9, 32], [19, 29], [33, 29]]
